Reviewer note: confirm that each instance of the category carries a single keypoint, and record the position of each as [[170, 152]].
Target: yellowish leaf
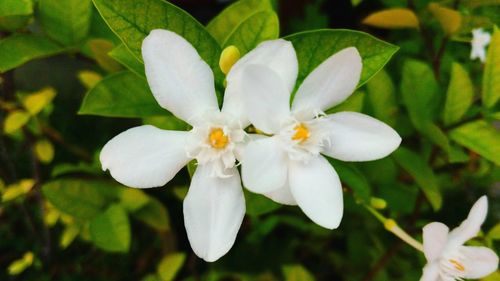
[[100, 48], [89, 78], [18, 266], [34, 103], [449, 19], [68, 236], [44, 151], [393, 19], [228, 58], [15, 121], [13, 191]]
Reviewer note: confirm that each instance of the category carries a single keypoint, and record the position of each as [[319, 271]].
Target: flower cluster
[[287, 160]]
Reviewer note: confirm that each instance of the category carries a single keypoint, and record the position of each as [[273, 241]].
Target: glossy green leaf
[[353, 178], [425, 178], [79, 198], [133, 22], [169, 266], [154, 214], [127, 59], [68, 21], [17, 50], [297, 273], [480, 137], [459, 95], [313, 47], [123, 94], [110, 230], [222, 26], [259, 27], [381, 95], [491, 77], [354, 102], [420, 92]]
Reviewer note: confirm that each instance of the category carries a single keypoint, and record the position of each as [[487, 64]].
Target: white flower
[[480, 39], [448, 259], [146, 156], [288, 167]]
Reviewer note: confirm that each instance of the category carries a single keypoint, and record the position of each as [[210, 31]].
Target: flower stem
[[392, 226]]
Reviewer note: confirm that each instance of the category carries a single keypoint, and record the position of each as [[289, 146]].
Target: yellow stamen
[[301, 133], [457, 265], [217, 138], [228, 58]]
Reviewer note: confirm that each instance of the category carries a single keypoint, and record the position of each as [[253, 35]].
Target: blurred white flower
[[288, 167], [480, 39], [146, 156], [448, 259]]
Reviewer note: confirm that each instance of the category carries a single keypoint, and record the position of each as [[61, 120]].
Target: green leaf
[[258, 205], [154, 214], [170, 265], [68, 21], [354, 178], [459, 96], [133, 199], [126, 58], [382, 98], [420, 92], [15, 121], [83, 199], [491, 77], [249, 33], [133, 22], [259, 27], [425, 178], [110, 230], [313, 47], [15, 14], [17, 50], [222, 26], [167, 122], [494, 233], [297, 273], [123, 94], [480, 137]]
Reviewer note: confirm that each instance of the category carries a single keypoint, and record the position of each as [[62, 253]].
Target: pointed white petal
[[471, 226], [179, 79], [145, 156], [282, 195], [278, 55], [264, 166], [316, 188], [435, 236], [478, 262], [330, 83], [213, 212], [358, 137], [265, 97], [431, 272]]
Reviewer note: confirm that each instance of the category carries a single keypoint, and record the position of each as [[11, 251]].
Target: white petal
[[213, 212], [478, 262], [316, 188], [330, 83], [179, 79], [358, 137], [265, 97], [145, 156], [471, 226], [278, 55], [435, 236], [264, 166], [282, 195], [431, 272]]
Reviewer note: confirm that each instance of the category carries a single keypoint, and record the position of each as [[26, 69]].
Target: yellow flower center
[[301, 133], [457, 265], [217, 138]]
